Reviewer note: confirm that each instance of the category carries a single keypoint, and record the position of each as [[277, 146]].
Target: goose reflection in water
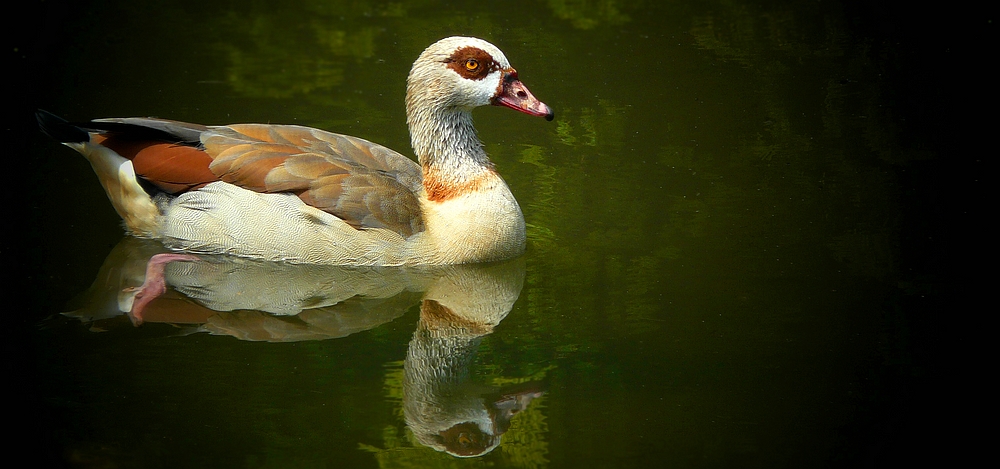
[[437, 403], [274, 302]]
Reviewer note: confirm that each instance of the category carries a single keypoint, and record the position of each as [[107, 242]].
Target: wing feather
[[365, 184]]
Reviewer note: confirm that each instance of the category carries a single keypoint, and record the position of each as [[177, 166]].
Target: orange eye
[[472, 65]]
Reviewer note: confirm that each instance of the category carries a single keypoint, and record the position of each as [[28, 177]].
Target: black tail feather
[[60, 129], [152, 129], [136, 128]]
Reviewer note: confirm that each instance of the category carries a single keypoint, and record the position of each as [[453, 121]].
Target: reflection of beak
[[504, 409], [515, 95]]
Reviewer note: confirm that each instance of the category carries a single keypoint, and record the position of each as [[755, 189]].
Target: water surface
[[714, 273]]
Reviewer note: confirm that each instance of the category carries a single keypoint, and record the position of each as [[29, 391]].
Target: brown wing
[[366, 185], [164, 153]]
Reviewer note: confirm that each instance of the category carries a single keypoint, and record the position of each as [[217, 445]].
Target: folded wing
[[365, 184]]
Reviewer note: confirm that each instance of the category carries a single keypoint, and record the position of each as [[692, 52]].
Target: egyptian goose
[[302, 195]]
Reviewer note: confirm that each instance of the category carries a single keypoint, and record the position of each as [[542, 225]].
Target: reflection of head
[[437, 404], [442, 409], [467, 440], [440, 406], [478, 438]]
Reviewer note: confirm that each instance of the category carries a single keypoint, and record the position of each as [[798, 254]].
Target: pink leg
[[154, 285]]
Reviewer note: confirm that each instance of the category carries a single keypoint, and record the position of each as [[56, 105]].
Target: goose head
[[449, 79]]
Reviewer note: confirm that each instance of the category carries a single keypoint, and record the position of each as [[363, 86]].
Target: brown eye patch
[[472, 63]]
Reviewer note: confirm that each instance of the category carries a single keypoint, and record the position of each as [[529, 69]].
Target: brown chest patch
[[440, 189]]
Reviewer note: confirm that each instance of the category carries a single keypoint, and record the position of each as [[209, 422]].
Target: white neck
[[445, 141]]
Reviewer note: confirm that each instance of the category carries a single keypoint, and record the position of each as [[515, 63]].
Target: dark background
[[920, 409]]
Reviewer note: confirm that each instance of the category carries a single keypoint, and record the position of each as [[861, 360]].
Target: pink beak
[[515, 95]]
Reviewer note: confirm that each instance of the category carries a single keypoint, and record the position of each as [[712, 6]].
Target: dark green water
[[731, 244]]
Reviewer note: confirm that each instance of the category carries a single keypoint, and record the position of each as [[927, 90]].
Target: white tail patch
[[117, 176]]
